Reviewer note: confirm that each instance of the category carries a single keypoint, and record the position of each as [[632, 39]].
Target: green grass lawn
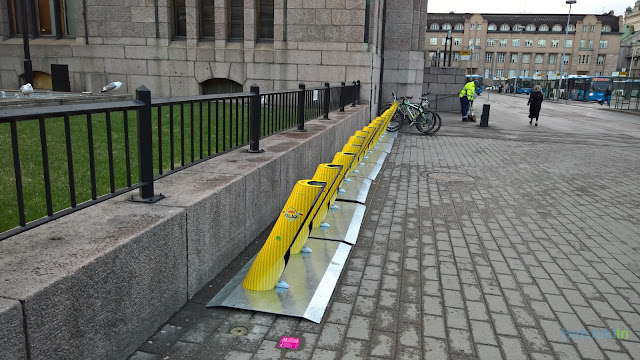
[[227, 134]]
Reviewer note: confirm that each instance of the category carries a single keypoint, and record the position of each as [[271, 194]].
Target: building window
[[207, 19], [444, 41], [470, 42], [456, 56], [531, 27], [524, 72], [515, 42], [556, 27], [499, 72], [583, 43], [472, 26], [542, 43], [528, 42], [514, 58], [555, 43], [526, 58], [488, 57], [604, 44], [500, 57], [584, 59], [539, 58], [512, 73], [600, 60], [569, 43], [476, 57], [606, 28], [265, 20], [479, 27], [565, 59], [551, 74], [435, 27], [446, 27], [543, 27], [459, 27], [592, 28], [492, 27], [433, 41], [490, 42], [179, 18], [571, 27], [590, 44], [517, 27], [46, 20], [457, 41], [503, 42], [504, 27], [552, 58], [486, 73], [598, 73], [236, 19], [584, 28], [477, 41]]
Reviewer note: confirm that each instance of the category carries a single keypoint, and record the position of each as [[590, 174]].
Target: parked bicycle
[[426, 121]]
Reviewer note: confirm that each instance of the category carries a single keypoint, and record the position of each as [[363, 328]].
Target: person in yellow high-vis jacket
[[466, 96]]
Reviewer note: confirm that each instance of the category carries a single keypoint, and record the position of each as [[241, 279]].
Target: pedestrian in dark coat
[[535, 102]]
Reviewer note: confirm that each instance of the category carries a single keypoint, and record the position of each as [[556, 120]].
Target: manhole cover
[[451, 176], [239, 331]]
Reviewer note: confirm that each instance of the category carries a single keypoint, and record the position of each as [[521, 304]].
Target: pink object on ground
[[289, 342]]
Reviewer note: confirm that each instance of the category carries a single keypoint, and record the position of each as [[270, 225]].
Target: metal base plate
[[344, 223], [376, 156], [366, 170], [312, 277], [386, 147], [355, 190]]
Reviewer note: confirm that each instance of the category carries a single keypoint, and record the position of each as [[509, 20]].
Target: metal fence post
[[358, 94], [255, 121], [301, 96], [353, 94], [145, 148], [342, 95], [327, 100]]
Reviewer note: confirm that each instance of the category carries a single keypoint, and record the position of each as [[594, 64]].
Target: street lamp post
[[450, 39], [28, 69], [633, 54], [438, 57], [518, 61], [564, 51]]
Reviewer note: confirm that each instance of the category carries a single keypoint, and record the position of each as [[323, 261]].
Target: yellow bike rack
[[290, 226]]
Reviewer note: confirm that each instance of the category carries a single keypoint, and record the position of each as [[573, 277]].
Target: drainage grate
[[451, 176], [239, 331]]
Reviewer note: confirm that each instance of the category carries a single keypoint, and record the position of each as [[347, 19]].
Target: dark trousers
[[464, 106]]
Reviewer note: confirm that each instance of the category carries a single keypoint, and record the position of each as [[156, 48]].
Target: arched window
[[543, 27], [492, 27], [531, 27], [504, 27], [459, 27], [571, 28], [220, 86], [446, 27], [434, 26], [556, 27], [517, 27], [606, 28]]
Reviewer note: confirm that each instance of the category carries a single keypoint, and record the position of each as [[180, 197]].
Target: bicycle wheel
[[427, 122], [438, 122], [396, 122]]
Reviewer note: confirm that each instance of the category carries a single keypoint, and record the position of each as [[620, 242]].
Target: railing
[[85, 153]]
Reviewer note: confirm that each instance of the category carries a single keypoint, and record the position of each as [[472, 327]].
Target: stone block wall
[[324, 43], [444, 85]]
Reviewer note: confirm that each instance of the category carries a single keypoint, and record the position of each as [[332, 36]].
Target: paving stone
[[332, 336], [360, 327], [483, 333], [383, 344]]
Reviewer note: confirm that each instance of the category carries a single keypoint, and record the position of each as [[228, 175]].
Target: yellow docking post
[[295, 216]]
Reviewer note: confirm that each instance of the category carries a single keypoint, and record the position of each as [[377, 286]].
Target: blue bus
[[524, 85], [576, 86], [479, 80]]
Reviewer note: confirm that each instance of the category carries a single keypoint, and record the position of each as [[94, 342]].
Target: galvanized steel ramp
[[298, 268]]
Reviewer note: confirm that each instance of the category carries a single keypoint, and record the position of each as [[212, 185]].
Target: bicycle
[[426, 121]]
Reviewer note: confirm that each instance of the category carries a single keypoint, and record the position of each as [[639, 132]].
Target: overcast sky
[[529, 6]]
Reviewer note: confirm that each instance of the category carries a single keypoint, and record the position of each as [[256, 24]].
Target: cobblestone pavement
[[534, 254]]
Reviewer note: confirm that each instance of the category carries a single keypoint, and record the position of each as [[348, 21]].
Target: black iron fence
[[66, 158]]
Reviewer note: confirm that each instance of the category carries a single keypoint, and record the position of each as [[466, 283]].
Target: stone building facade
[[503, 45], [180, 47]]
